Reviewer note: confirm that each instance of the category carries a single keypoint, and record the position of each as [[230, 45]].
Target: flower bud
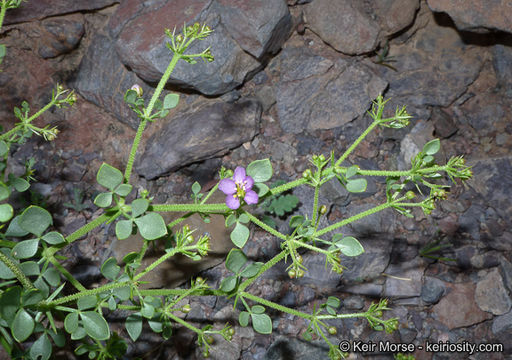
[[321, 158], [292, 273], [186, 309], [322, 210], [179, 38], [300, 273], [231, 331], [137, 89], [209, 339], [410, 195], [332, 330], [299, 259]]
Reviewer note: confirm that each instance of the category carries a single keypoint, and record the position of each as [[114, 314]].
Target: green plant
[[278, 205], [34, 310], [78, 201]]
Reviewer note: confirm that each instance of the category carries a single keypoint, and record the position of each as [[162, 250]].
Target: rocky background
[[290, 79]]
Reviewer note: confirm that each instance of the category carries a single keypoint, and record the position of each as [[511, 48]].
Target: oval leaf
[[228, 284], [151, 226], [239, 235], [356, 185], [42, 348], [21, 184], [134, 326], [103, 200], [139, 206], [35, 220], [124, 229], [171, 101], [243, 318], [25, 249], [432, 147], [4, 192], [260, 170], [71, 322], [235, 260], [6, 212], [95, 325], [87, 302], [262, 323], [109, 176], [110, 269], [53, 238], [22, 326], [123, 189], [251, 270], [350, 246]]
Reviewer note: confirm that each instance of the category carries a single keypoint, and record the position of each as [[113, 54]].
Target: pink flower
[[238, 188]]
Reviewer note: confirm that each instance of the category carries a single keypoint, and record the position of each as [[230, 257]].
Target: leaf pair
[[235, 262], [261, 323]]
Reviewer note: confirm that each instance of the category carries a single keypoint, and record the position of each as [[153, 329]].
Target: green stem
[[27, 121], [147, 114], [2, 13], [66, 274], [170, 315], [275, 306], [354, 218], [27, 284], [288, 186], [264, 268], [202, 208], [162, 258], [81, 294], [315, 205], [264, 226], [178, 292], [310, 247], [354, 145]]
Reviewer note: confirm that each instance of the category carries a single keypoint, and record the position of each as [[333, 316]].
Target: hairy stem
[[27, 284]]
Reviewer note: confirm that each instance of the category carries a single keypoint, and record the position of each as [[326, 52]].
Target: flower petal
[[251, 197], [227, 186], [249, 182], [239, 175], [232, 202]]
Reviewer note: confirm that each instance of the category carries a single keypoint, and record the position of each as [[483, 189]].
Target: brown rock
[[476, 15], [492, 295], [458, 309]]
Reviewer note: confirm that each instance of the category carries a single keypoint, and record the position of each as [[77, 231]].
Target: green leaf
[[260, 170], [230, 220], [22, 326], [14, 228], [133, 326], [243, 318], [356, 185], [139, 206], [244, 219], [30, 268], [25, 249], [432, 147], [95, 325], [103, 200], [124, 229], [6, 212], [122, 293], [123, 190], [53, 238], [239, 235], [296, 221], [228, 284], [257, 309], [4, 192], [261, 323], [261, 189], [333, 301], [283, 204], [147, 310], [171, 101], [52, 276], [9, 303], [42, 348], [109, 176], [351, 171], [78, 334], [251, 270], [71, 322], [235, 260], [110, 269], [151, 226], [156, 326], [130, 97], [196, 188], [3, 146], [349, 246], [35, 220], [87, 302], [21, 184]]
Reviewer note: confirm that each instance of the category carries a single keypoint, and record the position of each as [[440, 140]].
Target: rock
[[432, 290], [62, 35], [355, 27], [436, 64], [369, 265], [103, 80], [491, 294], [292, 348], [502, 63], [41, 9], [240, 30], [455, 311], [314, 93], [502, 323], [209, 130], [404, 281], [443, 123], [476, 15], [353, 303], [413, 142]]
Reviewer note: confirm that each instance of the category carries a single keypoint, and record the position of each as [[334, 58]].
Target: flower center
[[240, 189]]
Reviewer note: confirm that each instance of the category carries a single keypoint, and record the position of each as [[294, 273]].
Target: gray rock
[[404, 280], [476, 15], [41, 9], [432, 290], [369, 265], [206, 132], [353, 303], [502, 323], [241, 34], [103, 80], [491, 294], [502, 63], [413, 142], [314, 93], [291, 348], [62, 35]]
